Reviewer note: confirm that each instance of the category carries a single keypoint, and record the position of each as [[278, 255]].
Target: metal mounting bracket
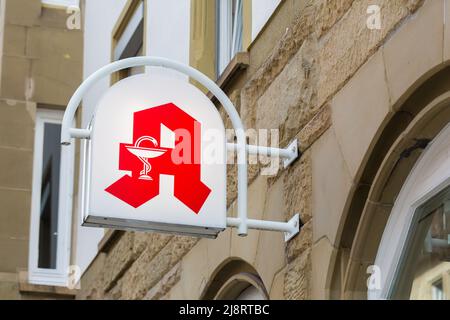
[[294, 153], [289, 154], [296, 225], [290, 228]]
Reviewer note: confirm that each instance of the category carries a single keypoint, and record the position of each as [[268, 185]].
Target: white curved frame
[[429, 177], [242, 223]]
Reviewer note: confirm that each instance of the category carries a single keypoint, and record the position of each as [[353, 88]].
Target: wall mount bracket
[[289, 154], [290, 228]]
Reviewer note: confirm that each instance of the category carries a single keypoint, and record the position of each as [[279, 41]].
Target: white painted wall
[[261, 12], [99, 20], [168, 30]]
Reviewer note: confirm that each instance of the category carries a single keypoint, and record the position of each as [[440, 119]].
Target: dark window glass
[[48, 222]]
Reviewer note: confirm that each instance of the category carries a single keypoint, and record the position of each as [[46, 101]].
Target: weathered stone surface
[[300, 243], [277, 290], [253, 171], [297, 278], [92, 280], [315, 128], [314, 19], [95, 293], [286, 85], [298, 189], [153, 242], [141, 239], [148, 269], [165, 284], [118, 260], [291, 94], [349, 43], [231, 184], [274, 65], [115, 293], [328, 12]]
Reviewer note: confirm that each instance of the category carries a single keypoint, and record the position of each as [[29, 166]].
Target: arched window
[[414, 254]]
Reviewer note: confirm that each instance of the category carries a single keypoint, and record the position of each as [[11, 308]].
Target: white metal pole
[[265, 151], [261, 225], [290, 228]]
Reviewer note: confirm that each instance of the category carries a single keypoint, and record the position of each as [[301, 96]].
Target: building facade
[[362, 84]]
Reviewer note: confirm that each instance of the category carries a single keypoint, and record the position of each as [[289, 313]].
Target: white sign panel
[[156, 159]]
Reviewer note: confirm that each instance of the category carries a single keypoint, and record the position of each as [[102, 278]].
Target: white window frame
[[58, 276], [61, 3], [430, 176], [131, 27], [228, 39], [262, 11], [438, 293]]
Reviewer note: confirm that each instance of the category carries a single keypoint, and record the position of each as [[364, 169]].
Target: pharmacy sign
[[155, 155]]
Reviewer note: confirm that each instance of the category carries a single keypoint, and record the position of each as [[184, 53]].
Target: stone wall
[[41, 58], [324, 45]]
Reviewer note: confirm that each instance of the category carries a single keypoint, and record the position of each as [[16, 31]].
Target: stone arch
[[391, 100], [231, 278], [423, 113]]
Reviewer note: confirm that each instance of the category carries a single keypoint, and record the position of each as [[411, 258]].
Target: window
[[51, 208], [262, 10], [427, 254], [129, 39], [61, 3], [415, 247], [229, 32]]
